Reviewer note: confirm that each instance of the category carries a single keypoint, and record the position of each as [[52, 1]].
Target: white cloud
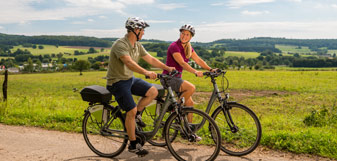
[[136, 1], [78, 23], [90, 20], [295, 0], [159, 21], [218, 4], [18, 11], [334, 5], [171, 6], [84, 32], [1, 27], [241, 3], [254, 13], [224, 30], [102, 17], [243, 30]]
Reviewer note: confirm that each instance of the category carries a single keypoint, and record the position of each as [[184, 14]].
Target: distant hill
[[14, 40], [313, 44], [258, 44]]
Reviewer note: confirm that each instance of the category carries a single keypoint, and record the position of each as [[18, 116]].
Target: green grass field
[[51, 49], [298, 113], [246, 55], [294, 49]]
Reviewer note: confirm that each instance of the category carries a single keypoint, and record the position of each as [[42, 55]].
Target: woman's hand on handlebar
[[199, 73], [215, 70]]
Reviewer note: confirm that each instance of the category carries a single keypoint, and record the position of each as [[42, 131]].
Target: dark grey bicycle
[[105, 133], [239, 126]]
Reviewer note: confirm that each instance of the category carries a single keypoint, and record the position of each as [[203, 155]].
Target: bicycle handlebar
[[215, 74], [161, 76]]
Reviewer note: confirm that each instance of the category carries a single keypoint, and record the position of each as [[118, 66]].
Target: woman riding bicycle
[[178, 55]]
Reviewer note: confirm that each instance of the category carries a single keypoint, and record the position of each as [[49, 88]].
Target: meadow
[[298, 113], [52, 49], [246, 55], [294, 49]]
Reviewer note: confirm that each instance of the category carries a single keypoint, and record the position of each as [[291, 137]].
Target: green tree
[[29, 67], [81, 65], [96, 65], [92, 50], [38, 65], [41, 47], [144, 64]]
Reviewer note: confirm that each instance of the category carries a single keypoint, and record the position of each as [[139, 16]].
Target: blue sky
[[213, 19]]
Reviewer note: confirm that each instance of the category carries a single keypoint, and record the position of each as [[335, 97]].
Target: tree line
[[214, 52], [14, 40]]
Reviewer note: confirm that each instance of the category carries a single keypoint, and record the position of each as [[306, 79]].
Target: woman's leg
[[187, 90]]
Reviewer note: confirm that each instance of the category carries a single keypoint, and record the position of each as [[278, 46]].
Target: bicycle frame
[[223, 103], [170, 99]]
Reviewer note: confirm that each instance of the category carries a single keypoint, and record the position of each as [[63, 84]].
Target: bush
[[322, 117]]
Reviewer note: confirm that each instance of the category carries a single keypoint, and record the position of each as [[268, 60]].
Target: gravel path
[[19, 143]]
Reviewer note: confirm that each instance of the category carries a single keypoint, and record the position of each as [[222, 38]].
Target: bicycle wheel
[[243, 139], [103, 143], [186, 146], [159, 138]]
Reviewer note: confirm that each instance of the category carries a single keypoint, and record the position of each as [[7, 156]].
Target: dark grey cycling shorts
[[174, 82], [124, 89]]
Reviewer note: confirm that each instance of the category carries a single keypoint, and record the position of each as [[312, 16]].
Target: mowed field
[[297, 109], [69, 50]]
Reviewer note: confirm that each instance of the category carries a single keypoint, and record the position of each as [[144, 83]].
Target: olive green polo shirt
[[117, 70]]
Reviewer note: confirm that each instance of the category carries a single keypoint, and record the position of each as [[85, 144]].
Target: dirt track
[[18, 143]]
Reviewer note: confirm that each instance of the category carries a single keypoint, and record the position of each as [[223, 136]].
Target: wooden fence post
[[4, 86]]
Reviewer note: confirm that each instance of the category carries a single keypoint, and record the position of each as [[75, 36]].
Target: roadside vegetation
[[299, 114], [290, 84]]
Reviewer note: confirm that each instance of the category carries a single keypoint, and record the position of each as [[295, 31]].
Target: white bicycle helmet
[[135, 23], [189, 28]]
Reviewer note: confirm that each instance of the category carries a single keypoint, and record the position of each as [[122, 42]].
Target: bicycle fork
[[185, 128], [226, 111]]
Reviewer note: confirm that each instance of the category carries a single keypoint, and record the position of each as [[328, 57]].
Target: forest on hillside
[[214, 53]]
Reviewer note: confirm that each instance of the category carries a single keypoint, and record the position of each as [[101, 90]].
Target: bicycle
[[239, 126], [105, 134]]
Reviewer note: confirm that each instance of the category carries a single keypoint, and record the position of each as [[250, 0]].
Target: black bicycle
[[239, 126], [105, 133]]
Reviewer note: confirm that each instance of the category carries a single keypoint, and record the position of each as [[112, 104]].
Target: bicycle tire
[[209, 132], [103, 144], [248, 136]]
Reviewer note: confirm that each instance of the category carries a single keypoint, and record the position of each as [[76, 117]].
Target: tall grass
[[295, 118]]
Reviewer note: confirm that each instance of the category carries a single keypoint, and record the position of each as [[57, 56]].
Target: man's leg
[[150, 95], [130, 124], [122, 92]]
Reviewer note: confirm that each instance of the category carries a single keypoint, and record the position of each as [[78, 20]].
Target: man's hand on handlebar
[[151, 75], [171, 69]]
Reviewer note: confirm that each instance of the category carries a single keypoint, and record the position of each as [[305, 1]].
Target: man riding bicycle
[[123, 61]]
